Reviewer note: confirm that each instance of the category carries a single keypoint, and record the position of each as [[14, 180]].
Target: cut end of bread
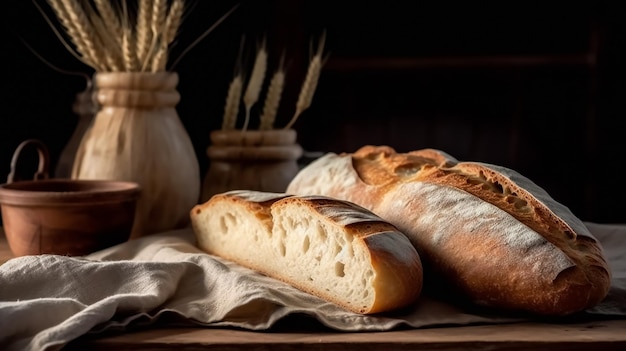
[[332, 249]]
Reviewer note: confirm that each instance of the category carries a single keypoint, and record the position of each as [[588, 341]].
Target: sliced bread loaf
[[330, 248]]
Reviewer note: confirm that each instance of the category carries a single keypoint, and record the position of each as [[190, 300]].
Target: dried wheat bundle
[[108, 40], [137, 135], [274, 91]]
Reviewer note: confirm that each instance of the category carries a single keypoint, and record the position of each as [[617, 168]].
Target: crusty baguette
[[487, 230], [330, 248]]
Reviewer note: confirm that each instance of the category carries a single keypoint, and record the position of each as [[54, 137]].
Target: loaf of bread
[[487, 232], [333, 249]]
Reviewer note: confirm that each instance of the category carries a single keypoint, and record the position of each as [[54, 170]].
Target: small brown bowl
[[67, 217]]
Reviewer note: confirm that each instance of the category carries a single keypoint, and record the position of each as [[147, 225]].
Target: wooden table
[[596, 335]]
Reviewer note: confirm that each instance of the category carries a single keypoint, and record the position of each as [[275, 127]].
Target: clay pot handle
[[44, 160]]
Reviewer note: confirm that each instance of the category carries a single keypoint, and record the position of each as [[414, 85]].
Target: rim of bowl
[[67, 191]]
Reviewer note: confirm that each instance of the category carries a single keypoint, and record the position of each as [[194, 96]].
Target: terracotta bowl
[[67, 217]]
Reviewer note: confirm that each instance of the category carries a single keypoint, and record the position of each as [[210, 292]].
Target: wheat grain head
[[172, 21], [273, 97], [255, 83], [305, 98], [233, 99], [85, 32]]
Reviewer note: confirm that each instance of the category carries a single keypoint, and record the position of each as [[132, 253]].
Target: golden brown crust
[[590, 276], [500, 238]]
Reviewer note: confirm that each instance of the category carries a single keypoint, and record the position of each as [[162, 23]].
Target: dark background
[[532, 85]]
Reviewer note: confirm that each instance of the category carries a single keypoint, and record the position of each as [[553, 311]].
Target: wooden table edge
[[601, 335]]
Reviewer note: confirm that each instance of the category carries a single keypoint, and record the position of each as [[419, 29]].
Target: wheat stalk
[[272, 99], [108, 40], [170, 28], [310, 83], [130, 60], [144, 33], [173, 19], [72, 50], [110, 19], [159, 13], [233, 99], [255, 83], [160, 57], [113, 60], [71, 29], [129, 57], [77, 16]]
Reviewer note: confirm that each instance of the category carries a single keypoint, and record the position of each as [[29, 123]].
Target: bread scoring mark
[[410, 169], [504, 193], [560, 216]]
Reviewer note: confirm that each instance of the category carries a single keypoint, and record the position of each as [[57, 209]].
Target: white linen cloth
[[46, 301]]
